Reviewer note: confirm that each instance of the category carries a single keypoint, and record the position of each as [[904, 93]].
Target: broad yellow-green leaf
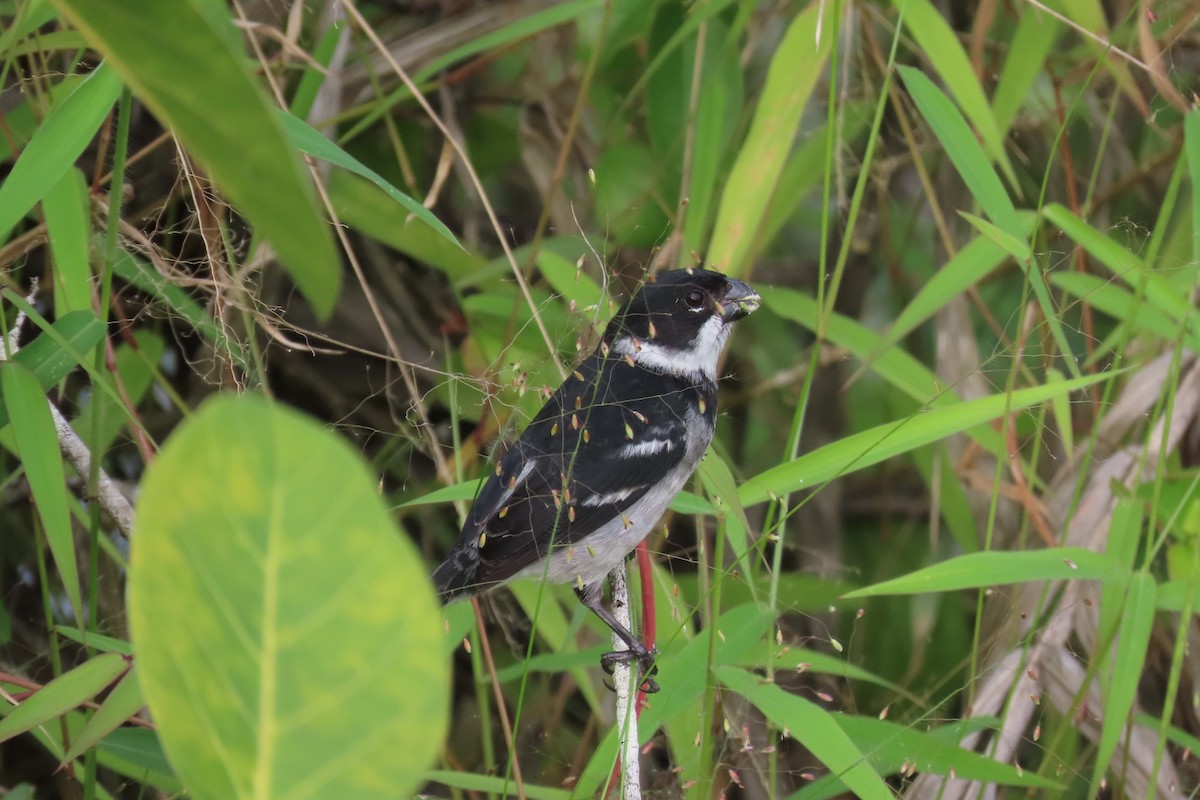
[[287, 636], [185, 60]]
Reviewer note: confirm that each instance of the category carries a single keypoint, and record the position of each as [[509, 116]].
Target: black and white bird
[[599, 464]]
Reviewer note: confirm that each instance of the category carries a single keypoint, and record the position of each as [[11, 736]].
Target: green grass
[[947, 532]]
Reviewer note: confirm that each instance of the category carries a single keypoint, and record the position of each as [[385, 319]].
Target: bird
[[597, 467]]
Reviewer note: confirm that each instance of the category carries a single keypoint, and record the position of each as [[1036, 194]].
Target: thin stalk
[[120, 152]]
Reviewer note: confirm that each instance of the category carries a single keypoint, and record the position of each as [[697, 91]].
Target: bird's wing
[[579, 465]]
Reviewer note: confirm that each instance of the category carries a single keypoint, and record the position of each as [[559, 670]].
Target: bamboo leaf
[[863, 449], [37, 446], [57, 142], [122, 702], [812, 726], [940, 45], [997, 568], [1133, 638], [67, 691], [308, 139], [798, 61], [961, 146]]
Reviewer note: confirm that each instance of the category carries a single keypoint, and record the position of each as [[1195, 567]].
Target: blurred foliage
[[947, 536]]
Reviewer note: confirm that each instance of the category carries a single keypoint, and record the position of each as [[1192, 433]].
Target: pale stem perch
[[73, 448], [623, 680]]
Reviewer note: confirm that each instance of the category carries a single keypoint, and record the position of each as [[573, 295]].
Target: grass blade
[[814, 727], [1133, 637], [940, 45], [122, 702], [308, 139], [859, 450], [37, 446], [795, 67], [57, 142], [997, 568], [959, 142], [62, 694]]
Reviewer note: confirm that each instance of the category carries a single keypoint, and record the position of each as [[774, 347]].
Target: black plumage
[[599, 464]]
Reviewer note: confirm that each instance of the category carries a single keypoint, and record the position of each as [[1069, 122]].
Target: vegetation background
[[946, 542]]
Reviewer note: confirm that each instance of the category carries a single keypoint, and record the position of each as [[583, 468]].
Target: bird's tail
[[456, 576]]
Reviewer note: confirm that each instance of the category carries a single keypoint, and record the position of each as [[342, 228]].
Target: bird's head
[[679, 321]]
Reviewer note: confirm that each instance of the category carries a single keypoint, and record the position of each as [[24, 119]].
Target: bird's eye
[[694, 299]]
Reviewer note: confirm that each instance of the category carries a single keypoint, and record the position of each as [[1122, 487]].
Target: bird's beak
[[739, 301]]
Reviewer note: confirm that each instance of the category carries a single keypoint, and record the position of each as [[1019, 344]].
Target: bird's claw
[[646, 666]]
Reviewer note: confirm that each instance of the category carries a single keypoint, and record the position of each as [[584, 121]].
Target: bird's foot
[[645, 661]]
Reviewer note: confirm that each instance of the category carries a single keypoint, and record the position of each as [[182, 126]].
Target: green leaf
[[721, 488], [968, 267], [57, 142], [108, 644], [718, 109], [1105, 296], [308, 139], [287, 636], [37, 446], [1124, 265], [369, 210], [1133, 638], [67, 691], [939, 43], [492, 784], [889, 746], [122, 702], [48, 360], [957, 139], [1031, 44], [997, 568], [813, 727], [1191, 146], [136, 752], [66, 206], [571, 282], [1017, 248], [798, 62], [860, 450], [185, 61]]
